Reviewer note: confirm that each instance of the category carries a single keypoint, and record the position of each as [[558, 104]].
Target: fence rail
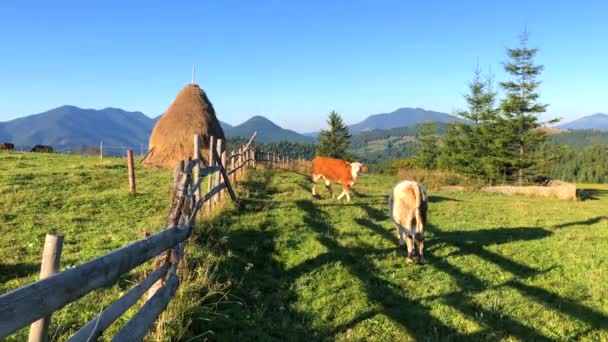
[[24, 305]]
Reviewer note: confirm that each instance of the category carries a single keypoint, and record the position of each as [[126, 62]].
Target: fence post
[[225, 165], [131, 169], [101, 150], [210, 181], [218, 175], [51, 257], [255, 156], [197, 168]]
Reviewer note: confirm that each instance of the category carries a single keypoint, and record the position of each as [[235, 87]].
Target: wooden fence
[[37, 301]]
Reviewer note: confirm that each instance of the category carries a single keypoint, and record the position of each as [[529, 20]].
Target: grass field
[[290, 267], [498, 267], [88, 201]]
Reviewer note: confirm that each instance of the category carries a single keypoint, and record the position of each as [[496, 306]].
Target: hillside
[[597, 121], [384, 144], [67, 126], [402, 117], [267, 130], [579, 138]]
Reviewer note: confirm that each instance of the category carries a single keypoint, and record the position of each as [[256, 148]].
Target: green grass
[[290, 267], [88, 201], [498, 267]]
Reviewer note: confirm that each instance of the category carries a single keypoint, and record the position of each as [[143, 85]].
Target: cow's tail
[[417, 195]]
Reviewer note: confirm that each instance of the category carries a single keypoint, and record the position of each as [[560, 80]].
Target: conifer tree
[[520, 106], [334, 142], [427, 146]]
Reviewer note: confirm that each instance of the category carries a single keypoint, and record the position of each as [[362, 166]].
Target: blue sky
[[292, 61]]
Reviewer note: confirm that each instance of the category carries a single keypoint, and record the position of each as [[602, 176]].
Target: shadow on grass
[[439, 199], [587, 222], [416, 318], [591, 194], [15, 271], [262, 289]]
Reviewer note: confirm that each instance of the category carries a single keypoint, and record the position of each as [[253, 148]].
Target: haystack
[[172, 137]]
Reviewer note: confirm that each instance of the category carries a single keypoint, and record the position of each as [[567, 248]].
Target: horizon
[[291, 63]]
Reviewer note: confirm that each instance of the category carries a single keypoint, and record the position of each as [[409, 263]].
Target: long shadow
[[497, 323], [14, 271], [260, 294], [439, 199], [591, 194], [256, 306], [412, 315], [575, 310], [586, 222]]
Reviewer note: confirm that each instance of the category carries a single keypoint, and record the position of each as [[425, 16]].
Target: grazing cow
[[43, 149], [408, 203], [7, 147], [337, 171]]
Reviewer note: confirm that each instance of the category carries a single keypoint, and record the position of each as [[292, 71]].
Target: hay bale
[[556, 189], [172, 137]]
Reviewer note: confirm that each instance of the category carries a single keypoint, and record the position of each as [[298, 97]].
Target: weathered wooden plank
[[138, 326], [92, 330], [24, 305]]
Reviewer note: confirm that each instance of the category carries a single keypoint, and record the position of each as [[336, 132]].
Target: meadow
[[288, 266]]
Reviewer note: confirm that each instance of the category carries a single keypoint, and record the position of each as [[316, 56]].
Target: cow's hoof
[[421, 260], [410, 261]]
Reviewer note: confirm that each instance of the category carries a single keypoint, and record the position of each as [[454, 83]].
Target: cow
[[7, 147], [337, 171], [408, 202], [42, 149]]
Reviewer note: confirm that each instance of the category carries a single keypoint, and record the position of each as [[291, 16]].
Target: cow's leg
[[400, 232], [419, 238], [409, 240], [315, 179], [328, 186], [345, 192]]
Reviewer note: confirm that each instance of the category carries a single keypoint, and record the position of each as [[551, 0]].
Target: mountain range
[[597, 121], [68, 126]]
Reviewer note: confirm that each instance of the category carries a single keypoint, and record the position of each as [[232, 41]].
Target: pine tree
[[427, 146], [334, 142], [521, 107], [476, 147]]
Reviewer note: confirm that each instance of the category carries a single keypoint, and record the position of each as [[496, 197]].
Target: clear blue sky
[[292, 61]]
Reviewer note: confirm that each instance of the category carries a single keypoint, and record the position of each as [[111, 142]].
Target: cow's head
[[356, 168]]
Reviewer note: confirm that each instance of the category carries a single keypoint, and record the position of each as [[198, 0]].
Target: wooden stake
[[131, 169], [196, 170], [211, 163], [218, 175], [51, 258]]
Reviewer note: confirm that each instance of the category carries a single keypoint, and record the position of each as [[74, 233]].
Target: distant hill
[[267, 130], [402, 117], [68, 126], [597, 121]]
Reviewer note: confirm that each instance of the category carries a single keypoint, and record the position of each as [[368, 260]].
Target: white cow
[[408, 203]]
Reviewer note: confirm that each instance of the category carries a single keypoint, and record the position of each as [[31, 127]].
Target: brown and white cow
[[408, 203], [337, 171]]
